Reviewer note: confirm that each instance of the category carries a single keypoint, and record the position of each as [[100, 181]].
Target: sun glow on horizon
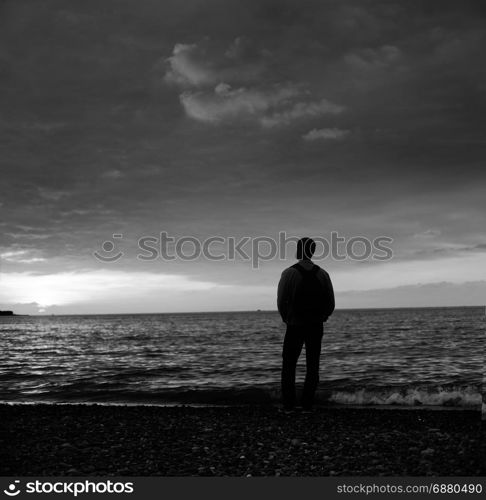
[[142, 291], [76, 287]]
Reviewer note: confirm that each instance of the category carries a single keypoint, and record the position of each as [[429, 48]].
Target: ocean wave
[[457, 396], [446, 396], [443, 396]]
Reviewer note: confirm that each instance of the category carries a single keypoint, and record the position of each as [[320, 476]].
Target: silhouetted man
[[305, 301]]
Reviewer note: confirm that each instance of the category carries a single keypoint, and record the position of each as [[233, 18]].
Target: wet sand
[[77, 440]]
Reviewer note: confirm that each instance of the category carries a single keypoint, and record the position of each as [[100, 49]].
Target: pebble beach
[[96, 440]]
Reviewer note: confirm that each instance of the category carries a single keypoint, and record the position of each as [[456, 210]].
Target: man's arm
[[330, 300], [283, 296]]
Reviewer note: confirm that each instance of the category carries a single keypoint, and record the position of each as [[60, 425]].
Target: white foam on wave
[[464, 397]]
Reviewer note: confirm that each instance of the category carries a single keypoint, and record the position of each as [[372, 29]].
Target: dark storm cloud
[[240, 117]]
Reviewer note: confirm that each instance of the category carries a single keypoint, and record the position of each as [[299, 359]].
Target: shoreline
[[99, 440], [412, 396], [325, 406]]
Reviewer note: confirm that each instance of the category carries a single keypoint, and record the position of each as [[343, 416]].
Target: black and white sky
[[239, 118]]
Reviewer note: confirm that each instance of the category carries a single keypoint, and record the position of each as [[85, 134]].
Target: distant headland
[[7, 313]]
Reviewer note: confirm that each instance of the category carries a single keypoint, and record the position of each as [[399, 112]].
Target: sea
[[392, 357]]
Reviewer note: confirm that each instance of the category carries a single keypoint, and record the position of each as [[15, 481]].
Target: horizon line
[[246, 311]]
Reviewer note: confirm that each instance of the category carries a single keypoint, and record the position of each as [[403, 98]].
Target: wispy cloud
[[428, 233], [113, 174], [226, 103], [203, 64], [21, 257], [326, 134], [372, 59], [52, 194], [186, 66], [300, 110]]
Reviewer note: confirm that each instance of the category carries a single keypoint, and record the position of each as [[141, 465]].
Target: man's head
[[305, 248]]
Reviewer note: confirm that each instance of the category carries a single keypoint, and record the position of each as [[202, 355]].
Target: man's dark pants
[[295, 338]]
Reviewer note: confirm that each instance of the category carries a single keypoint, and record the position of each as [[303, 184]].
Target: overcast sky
[[239, 118]]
